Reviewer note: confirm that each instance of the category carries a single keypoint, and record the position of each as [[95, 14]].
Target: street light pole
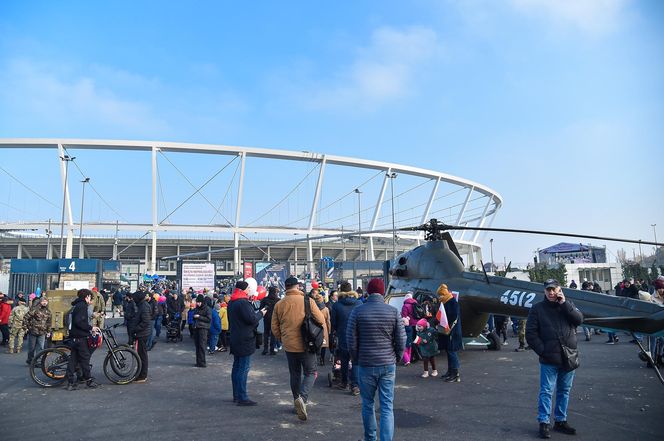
[[80, 228], [48, 238], [654, 232], [67, 160], [491, 243], [359, 221], [392, 177]]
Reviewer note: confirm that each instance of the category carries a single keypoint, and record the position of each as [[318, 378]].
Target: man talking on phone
[[551, 325]]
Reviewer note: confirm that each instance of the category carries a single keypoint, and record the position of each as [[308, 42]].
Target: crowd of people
[[363, 337]]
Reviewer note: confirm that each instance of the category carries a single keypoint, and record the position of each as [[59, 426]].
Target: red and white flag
[[417, 340], [441, 316]]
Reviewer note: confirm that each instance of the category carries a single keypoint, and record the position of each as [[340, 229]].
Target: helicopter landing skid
[[647, 356], [476, 342]]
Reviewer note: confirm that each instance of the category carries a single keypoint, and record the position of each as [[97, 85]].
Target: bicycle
[[121, 364]]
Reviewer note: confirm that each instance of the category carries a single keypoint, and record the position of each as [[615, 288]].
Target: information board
[[76, 284], [198, 276]]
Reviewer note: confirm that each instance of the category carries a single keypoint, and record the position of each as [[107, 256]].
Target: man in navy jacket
[[376, 339]]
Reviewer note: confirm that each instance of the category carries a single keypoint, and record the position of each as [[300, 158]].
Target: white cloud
[[387, 69], [594, 17], [50, 96]]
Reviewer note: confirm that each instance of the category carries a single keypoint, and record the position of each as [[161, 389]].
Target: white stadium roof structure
[[147, 200]]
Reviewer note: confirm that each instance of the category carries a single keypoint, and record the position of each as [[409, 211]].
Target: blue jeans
[[381, 379], [344, 355], [157, 325], [452, 360], [552, 376], [212, 341], [410, 335], [35, 344], [150, 342], [239, 375], [654, 347]]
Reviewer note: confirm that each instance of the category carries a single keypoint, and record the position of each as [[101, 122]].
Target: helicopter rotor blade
[[433, 224], [444, 226]]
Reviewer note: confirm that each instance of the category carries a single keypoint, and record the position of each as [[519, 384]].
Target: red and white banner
[[248, 270]]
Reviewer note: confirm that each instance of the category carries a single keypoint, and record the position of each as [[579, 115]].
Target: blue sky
[[557, 105]]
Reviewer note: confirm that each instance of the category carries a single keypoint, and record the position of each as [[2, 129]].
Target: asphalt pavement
[[615, 397]]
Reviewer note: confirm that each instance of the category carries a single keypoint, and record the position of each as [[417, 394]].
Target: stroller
[[173, 331]]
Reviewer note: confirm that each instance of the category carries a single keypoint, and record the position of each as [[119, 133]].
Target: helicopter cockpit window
[[425, 296]]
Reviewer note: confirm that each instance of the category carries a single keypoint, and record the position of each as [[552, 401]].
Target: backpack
[[419, 312], [312, 332], [67, 319]]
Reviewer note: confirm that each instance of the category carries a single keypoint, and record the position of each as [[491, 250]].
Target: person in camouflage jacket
[[17, 332], [98, 308], [37, 322]]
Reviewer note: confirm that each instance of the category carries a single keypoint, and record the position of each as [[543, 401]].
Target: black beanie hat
[[242, 285], [200, 298]]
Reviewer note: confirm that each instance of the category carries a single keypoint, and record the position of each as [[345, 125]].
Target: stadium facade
[[361, 232]]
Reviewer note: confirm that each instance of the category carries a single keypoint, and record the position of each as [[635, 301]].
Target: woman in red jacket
[[5, 310]]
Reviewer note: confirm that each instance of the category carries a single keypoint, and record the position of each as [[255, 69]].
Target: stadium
[[143, 202]]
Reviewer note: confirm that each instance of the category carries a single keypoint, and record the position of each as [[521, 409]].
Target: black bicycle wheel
[[49, 367], [122, 365]]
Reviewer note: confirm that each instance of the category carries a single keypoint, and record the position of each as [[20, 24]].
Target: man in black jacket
[[202, 319], [242, 321], [174, 306], [79, 331], [552, 323], [142, 328], [269, 342]]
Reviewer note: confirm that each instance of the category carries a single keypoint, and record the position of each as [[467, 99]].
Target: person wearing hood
[[269, 342], [410, 321], [451, 338], [243, 320], [348, 300], [80, 330], [202, 317], [142, 329]]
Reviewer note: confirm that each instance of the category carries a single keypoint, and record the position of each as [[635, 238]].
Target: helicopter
[[422, 269]]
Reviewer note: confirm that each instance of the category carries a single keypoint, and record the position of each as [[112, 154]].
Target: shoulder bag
[[312, 332]]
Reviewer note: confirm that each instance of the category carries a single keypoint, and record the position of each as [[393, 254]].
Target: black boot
[[453, 377], [562, 426], [544, 431]]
